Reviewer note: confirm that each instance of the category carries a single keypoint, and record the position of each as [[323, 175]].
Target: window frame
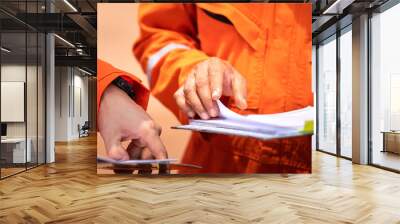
[[336, 35]]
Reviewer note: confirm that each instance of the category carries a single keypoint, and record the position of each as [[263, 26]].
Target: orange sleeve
[[106, 73], [168, 47]]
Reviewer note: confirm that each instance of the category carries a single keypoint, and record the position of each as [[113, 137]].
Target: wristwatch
[[126, 84]]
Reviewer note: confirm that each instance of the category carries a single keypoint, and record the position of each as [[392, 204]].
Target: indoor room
[[94, 95]]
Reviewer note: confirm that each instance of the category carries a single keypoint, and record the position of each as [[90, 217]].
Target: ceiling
[[76, 22], [73, 20]]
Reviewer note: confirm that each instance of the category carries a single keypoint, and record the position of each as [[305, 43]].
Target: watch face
[[125, 86]]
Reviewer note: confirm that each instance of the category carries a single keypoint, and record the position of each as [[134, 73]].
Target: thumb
[[117, 152]]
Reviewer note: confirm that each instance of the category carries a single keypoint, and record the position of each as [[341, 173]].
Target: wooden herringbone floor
[[69, 191]]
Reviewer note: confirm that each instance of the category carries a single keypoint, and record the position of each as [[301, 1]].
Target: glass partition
[[32, 88], [22, 88], [15, 151]]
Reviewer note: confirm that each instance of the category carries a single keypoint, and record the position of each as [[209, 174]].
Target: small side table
[[391, 141]]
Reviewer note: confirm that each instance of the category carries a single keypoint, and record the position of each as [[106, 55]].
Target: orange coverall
[[269, 44]]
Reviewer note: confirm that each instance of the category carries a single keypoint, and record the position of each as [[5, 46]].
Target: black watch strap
[[125, 86]]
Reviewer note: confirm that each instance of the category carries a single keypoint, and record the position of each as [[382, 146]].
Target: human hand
[[206, 83], [121, 119]]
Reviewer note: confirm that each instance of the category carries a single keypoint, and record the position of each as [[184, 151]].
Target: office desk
[[13, 150], [391, 141]]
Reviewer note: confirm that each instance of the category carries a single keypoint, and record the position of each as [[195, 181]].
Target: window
[[327, 95], [346, 92], [385, 89]]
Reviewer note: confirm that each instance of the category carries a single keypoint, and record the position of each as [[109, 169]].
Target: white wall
[[80, 84], [12, 73], [62, 81], [70, 84]]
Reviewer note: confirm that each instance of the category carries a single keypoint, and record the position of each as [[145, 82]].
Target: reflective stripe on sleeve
[[155, 58]]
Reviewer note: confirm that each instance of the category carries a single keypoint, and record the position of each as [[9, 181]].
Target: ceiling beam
[[79, 61], [84, 24], [337, 7]]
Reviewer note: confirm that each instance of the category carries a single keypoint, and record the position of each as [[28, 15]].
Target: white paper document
[[263, 126]]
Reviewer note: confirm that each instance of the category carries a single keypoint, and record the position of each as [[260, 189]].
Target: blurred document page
[[263, 126]]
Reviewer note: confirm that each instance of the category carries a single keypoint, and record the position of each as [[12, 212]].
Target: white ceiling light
[[64, 40], [79, 51], [84, 71], [337, 7], [70, 5], [5, 50]]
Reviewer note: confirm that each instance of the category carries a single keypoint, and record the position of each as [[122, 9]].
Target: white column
[[360, 90], [50, 98]]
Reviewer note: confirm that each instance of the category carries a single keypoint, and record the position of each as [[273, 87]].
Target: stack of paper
[[263, 126]]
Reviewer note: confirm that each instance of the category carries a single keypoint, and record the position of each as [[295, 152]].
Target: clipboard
[[163, 166]]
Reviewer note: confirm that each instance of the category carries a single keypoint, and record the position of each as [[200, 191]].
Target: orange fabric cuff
[[107, 74]]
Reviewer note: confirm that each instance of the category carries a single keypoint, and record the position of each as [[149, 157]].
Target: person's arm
[[122, 117], [182, 76], [167, 48]]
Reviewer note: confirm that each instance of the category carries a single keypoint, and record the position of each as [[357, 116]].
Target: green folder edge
[[308, 127]]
